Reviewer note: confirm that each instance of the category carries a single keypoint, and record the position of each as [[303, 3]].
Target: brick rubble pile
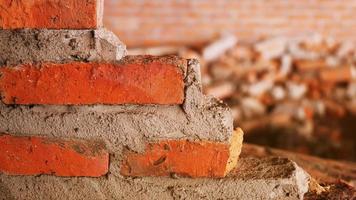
[[293, 83]]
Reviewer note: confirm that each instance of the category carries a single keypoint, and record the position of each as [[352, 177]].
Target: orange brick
[[334, 109], [91, 83], [183, 158], [54, 14], [35, 155], [195, 159], [310, 65], [340, 74]]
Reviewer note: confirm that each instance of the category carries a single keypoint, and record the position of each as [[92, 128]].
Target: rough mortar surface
[[269, 178], [59, 46], [193, 88], [121, 125]]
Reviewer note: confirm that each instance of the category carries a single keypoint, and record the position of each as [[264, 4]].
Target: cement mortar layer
[[59, 46], [180, 63], [121, 125], [269, 178]]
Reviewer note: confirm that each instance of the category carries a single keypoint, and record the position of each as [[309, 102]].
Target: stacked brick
[[146, 113], [79, 119]]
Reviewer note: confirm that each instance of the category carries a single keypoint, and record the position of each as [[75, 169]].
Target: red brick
[[178, 157], [340, 74], [55, 14], [91, 83], [184, 158], [36, 155], [310, 65]]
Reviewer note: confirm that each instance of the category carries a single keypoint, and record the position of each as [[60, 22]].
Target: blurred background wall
[[157, 22]]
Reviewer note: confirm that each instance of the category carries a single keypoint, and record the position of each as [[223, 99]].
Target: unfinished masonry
[[80, 120]]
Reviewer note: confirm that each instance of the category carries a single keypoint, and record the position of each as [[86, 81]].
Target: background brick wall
[[156, 22]]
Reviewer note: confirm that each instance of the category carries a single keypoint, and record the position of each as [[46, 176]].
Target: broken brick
[[340, 74], [184, 158], [310, 65]]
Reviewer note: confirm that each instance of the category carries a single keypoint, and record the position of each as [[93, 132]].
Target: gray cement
[[59, 46], [176, 61], [122, 125], [193, 88], [270, 178]]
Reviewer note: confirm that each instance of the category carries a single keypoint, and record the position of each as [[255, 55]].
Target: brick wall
[[66, 61], [153, 22]]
